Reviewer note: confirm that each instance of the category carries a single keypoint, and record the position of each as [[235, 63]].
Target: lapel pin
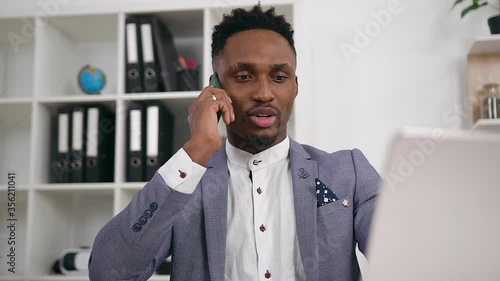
[[345, 203], [303, 174]]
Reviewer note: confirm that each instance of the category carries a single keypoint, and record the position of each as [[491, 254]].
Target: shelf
[[59, 278], [162, 95], [15, 136], [14, 101], [80, 278], [487, 125], [76, 99], [76, 186], [132, 185], [486, 45]]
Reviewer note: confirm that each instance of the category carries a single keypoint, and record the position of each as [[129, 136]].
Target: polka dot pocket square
[[324, 195]]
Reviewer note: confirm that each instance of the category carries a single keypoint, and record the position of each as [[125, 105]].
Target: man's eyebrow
[[281, 66], [241, 66], [248, 66]]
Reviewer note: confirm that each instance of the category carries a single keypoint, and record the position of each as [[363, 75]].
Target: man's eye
[[243, 77], [280, 78]]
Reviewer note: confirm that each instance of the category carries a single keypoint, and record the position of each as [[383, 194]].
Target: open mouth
[[263, 117]]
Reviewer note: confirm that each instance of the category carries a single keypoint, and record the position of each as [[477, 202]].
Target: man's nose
[[264, 91]]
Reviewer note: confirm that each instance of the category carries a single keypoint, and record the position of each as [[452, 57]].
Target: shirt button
[[262, 228], [259, 191], [256, 162], [267, 275]]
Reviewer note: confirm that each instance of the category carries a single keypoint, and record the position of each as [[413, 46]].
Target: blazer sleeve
[[133, 243], [366, 188]]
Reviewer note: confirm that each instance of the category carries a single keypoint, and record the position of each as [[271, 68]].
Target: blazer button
[[143, 220], [136, 227], [153, 206], [148, 214]]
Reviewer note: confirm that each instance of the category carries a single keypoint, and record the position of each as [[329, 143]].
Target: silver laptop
[[438, 212]]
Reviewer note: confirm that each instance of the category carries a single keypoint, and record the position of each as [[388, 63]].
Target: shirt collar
[[260, 160]]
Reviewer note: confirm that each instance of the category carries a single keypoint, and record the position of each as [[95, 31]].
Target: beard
[[261, 141]]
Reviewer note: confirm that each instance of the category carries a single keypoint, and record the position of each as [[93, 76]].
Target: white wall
[[411, 72]]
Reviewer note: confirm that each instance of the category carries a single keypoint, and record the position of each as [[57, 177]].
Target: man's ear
[[296, 85]]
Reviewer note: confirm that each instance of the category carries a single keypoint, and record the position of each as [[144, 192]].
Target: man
[[258, 206]]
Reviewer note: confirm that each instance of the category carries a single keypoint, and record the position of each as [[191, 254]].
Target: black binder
[[100, 140], [165, 55], [135, 143], [77, 149], [159, 137], [61, 140], [133, 56], [150, 76]]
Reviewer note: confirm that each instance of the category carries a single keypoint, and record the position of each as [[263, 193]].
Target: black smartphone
[[214, 80]]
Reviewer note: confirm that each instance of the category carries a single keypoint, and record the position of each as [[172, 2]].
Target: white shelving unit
[[483, 64], [38, 74]]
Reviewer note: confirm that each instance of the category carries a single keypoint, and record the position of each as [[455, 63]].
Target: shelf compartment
[[15, 137], [482, 69], [16, 58], [187, 31], [46, 117], [65, 220], [179, 109], [19, 238], [66, 44]]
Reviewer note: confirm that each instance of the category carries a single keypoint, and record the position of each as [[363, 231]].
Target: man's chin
[[262, 140]]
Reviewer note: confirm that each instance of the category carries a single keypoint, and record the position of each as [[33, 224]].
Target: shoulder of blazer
[[318, 155]]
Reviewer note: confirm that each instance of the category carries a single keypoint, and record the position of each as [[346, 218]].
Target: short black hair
[[255, 18]]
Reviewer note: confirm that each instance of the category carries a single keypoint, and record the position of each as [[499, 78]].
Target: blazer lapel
[[304, 171], [214, 192]]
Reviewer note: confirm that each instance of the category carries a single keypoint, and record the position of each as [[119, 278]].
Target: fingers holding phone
[[203, 118]]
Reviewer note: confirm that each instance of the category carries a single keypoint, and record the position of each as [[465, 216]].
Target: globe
[[91, 80]]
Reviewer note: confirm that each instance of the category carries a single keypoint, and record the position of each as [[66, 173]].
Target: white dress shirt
[[261, 241]]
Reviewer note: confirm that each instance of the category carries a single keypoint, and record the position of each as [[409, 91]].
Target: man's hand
[[205, 138]]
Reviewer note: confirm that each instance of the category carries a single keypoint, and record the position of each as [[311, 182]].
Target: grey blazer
[[192, 227]]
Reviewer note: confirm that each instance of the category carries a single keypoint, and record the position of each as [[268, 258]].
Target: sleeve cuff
[[181, 173]]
